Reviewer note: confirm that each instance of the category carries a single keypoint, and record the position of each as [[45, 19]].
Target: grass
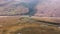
[[28, 25]]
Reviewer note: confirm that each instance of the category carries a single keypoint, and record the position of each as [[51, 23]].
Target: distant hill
[[12, 8]]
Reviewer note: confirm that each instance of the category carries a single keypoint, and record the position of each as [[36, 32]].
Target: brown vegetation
[[27, 25]]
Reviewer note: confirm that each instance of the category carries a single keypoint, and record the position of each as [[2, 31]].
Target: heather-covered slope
[[41, 8], [11, 7], [48, 8]]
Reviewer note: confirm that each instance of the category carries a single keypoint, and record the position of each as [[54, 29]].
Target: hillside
[[41, 8], [28, 25], [11, 7]]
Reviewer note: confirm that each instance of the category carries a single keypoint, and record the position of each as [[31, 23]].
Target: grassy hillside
[[28, 25]]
